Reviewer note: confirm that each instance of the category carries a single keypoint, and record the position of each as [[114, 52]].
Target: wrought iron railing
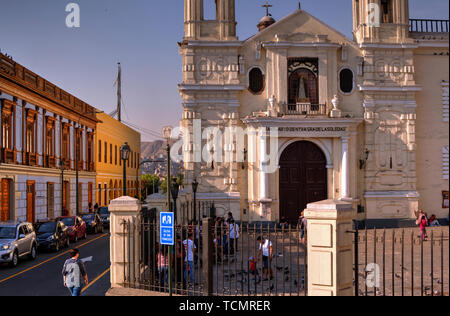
[[306, 109], [428, 26]]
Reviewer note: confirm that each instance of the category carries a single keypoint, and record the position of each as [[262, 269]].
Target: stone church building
[[364, 120]]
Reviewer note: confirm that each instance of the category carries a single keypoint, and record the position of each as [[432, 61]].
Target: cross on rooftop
[[267, 6]]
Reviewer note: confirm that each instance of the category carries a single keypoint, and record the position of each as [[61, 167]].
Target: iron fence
[[214, 259], [399, 262]]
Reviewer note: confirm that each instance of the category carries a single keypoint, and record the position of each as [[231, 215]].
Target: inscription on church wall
[[312, 129]]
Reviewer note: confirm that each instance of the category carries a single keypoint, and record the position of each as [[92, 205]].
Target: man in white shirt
[[189, 252], [266, 250], [234, 235]]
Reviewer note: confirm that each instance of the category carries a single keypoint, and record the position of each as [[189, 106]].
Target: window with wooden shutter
[[5, 199], [7, 153]]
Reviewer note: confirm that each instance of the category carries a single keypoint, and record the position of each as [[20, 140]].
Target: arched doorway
[[303, 178]]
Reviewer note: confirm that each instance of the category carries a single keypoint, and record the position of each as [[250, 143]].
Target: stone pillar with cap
[[330, 250], [124, 255]]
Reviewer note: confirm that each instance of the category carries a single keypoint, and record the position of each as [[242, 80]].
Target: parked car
[[94, 223], [52, 235], [104, 215], [17, 240], [76, 227]]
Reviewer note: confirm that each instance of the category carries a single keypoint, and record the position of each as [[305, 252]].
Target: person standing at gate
[[266, 252], [73, 272], [189, 251], [233, 229]]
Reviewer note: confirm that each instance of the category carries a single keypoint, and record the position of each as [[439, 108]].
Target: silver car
[[17, 240]]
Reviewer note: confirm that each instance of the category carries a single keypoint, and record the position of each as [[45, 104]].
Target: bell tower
[[222, 28], [381, 28], [376, 21]]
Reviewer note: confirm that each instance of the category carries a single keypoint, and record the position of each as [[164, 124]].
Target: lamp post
[[125, 155], [194, 190], [62, 167], [167, 133], [175, 189]]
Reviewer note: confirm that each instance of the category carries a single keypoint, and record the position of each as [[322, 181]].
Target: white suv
[[16, 241]]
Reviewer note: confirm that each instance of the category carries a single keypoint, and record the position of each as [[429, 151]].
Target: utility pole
[[119, 93]]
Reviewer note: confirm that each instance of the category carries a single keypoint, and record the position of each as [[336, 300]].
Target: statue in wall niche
[[302, 96]]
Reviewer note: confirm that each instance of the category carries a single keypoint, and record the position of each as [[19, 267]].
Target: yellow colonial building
[[111, 135], [311, 114]]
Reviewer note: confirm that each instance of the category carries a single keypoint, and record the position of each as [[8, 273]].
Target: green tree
[[180, 181], [150, 184]]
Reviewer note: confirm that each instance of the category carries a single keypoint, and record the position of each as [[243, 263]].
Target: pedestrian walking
[[303, 222], [189, 250], [74, 272], [266, 252], [163, 266], [422, 222]]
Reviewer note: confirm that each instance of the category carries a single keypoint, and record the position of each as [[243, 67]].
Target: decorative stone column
[[345, 172], [123, 209], [330, 251]]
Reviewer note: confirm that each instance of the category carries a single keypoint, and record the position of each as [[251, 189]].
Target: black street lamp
[[174, 190], [194, 189], [62, 167], [125, 155]]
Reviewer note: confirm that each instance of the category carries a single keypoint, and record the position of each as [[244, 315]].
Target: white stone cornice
[[304, 45], [227, 102], [232, 44], [433, 44], [391, 194], [388, 46], [373, 103], [201, 87], [415, 88]]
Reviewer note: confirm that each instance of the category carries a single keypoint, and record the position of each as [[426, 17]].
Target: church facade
[[364, 120]]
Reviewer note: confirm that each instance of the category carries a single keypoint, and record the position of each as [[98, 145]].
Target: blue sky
[[142, 35]]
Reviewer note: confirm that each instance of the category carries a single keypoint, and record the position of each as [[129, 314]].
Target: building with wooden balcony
[[362, 119], [111, 135], [42, 125]]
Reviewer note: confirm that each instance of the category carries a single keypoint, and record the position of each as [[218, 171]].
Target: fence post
[[123, 209], [208, 256], [330, 251]]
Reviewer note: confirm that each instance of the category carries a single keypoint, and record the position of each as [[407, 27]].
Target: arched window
[[346, 80], [255, 80]]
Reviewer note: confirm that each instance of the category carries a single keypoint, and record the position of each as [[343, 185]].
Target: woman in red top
[[423, 223]]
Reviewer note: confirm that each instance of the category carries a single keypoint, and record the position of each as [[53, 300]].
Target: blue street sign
[[166, 224]]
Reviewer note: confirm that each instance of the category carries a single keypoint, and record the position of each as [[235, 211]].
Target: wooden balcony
[[50, 162], [306, 109], [7, 156], [30, 159]]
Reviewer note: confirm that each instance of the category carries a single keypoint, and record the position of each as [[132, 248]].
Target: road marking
[[95, 280], [53, 258]]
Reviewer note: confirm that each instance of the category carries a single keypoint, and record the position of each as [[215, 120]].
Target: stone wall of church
[[432, 129]]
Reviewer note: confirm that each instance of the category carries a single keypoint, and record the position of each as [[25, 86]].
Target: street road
[[42, 277]]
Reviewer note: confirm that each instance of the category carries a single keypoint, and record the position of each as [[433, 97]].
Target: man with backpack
[[73, 272]]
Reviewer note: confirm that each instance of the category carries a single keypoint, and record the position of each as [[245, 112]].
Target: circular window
[[256, 81], [346, 80]]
